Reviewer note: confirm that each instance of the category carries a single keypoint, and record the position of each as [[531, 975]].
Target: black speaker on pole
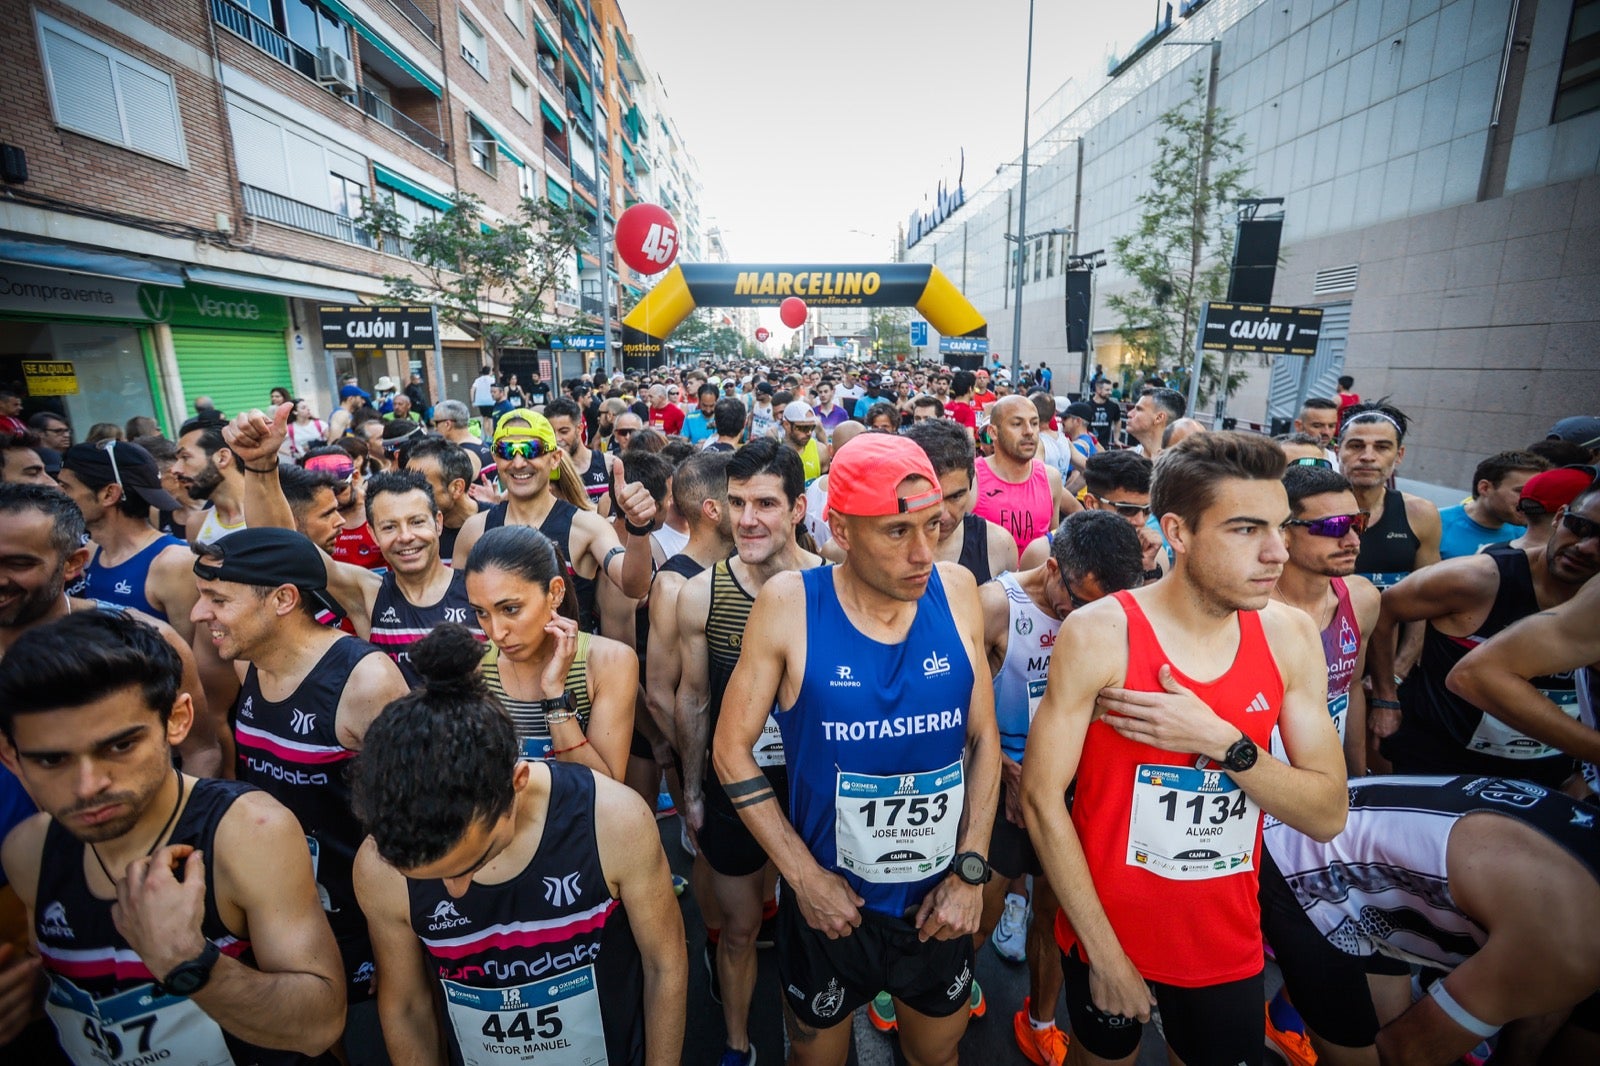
[[1077, 310], [1255, 261]]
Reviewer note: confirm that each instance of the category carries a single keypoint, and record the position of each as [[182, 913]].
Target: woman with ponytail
[[534, 892], [570, 694]]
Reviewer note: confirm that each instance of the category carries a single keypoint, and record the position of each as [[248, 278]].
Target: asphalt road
[[988, 1040]]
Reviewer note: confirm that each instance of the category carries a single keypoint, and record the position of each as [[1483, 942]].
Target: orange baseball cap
[[865, 476]]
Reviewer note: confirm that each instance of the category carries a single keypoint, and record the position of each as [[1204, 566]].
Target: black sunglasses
[[1580, 527], [1334, 526]]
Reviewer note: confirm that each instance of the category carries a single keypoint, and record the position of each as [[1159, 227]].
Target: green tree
[[1178, 256], [892, 331], [495, 281]]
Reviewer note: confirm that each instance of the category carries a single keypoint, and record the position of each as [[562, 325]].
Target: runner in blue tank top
[[533, 893], [173, 916], [887, 718]]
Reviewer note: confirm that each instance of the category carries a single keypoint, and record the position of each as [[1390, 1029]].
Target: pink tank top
[[1025, 509]]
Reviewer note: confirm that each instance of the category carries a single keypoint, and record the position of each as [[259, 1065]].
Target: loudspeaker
[[1255, 261], [1077, 310]]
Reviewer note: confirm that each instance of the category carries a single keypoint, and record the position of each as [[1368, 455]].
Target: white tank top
[[1020, 681], [213, 529]]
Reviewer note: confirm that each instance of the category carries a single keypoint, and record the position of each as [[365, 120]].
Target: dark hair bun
[[447, 659]]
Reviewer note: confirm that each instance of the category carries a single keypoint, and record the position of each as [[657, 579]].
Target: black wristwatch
[[1242, 755], [971, 868], [187, 978], [561, 704]]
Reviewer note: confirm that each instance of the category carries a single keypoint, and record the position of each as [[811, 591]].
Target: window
[[309, 25], [474, 47], [107, 94], [412, 210], [481, 144], [346, 195], [1027, 253], [1578, 90], [525, 183], [521, 97], [1038, 259], [1050, 258], [518, 16]]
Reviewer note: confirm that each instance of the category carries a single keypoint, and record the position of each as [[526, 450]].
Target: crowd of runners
[[356, 740]]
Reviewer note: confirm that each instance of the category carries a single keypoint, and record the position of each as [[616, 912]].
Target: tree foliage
[[893, 330], [494, 280], [1178, 256]]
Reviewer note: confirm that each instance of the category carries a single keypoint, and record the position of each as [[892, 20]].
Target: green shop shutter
[[238, 369]]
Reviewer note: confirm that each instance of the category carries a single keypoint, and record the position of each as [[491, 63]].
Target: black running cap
[[267, 558]]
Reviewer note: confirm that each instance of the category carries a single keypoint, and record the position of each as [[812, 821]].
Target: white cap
[[1061, 405], [799, 413], [386, 384]]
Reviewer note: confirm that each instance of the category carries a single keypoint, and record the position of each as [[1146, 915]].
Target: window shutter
[[150, 111], [258, 146], [85, 94]]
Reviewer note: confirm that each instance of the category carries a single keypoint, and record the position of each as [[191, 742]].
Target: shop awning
[[405, 186], [505, 149], [558, 195], [92, 262], [551, 115], [298, 290], [389, 51]]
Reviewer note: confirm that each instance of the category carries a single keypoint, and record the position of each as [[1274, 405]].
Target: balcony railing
[[270, 206], [584, 182], [416, 17], [232, 17], [555, 149], [407, 127], [547, 72], [574, 36]]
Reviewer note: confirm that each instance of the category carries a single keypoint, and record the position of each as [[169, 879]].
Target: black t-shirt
[[1106, 415], [539, 393]]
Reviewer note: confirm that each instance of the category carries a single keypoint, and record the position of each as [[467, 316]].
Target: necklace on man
[[171, 818]]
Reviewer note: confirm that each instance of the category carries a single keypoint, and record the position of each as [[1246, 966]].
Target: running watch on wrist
[[1241, 755], [556, 709], [187, 978], [971, 868]]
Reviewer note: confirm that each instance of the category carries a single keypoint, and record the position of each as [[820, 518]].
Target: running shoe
[[1011, 935], [979, 1006], [665, 808], [1478, 1056], [1044, 1047], [714, 983], [1286, 1033], [683, 838], [679, 884], [880, 1012], [730, 1057]]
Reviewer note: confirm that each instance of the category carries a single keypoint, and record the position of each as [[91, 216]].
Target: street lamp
[[1022, 208]]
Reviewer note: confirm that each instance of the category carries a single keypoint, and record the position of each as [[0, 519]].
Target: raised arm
[[1091, 653], [1496, 675], [405, 994]]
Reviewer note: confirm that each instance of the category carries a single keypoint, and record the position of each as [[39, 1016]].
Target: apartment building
[[1439, 162], [182, 183]]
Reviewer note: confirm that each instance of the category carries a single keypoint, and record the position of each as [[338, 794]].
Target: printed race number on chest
[[556, 1020], [1190, 825], [898, 828], [140, 1025]]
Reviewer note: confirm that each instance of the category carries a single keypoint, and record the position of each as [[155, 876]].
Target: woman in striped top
[[570, 694]]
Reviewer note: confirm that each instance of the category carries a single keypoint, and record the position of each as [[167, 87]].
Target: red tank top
[[1024, 509], [1172, 849]]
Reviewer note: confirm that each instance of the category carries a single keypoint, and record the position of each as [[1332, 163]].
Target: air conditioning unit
[[334, 69]]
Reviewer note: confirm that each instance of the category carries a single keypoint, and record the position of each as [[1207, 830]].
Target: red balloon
[[762, 334], [647, 238], [793, 312]]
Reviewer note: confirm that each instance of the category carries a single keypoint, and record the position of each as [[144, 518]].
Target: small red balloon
[[762, 334], [793, 312], [647, 238]]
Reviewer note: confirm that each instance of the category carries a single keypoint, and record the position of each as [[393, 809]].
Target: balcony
[[555, 148], [237, 20], [574, 36], [585, 182], [547, 73], [412, 130], [271, 207], [416, 17]]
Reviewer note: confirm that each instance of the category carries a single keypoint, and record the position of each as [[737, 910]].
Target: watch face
[[971, 869], [184, 980]]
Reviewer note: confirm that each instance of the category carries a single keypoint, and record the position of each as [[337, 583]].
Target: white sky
[[810, 120]]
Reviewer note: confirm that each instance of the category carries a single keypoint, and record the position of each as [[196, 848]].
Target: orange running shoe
[[1043, 1047], [1295, 1048]]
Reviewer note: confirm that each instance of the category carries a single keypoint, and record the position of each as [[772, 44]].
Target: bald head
[[1183, 427], [844, 431], [1007, 405]]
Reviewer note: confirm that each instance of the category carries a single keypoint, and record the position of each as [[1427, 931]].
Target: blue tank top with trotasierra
[[874, 745]]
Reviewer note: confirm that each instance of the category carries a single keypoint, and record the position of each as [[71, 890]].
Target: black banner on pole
[[1078, 310], [1255, 261]]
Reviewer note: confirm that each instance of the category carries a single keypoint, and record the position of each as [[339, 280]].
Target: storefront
[[120, 347], [98, 327]]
